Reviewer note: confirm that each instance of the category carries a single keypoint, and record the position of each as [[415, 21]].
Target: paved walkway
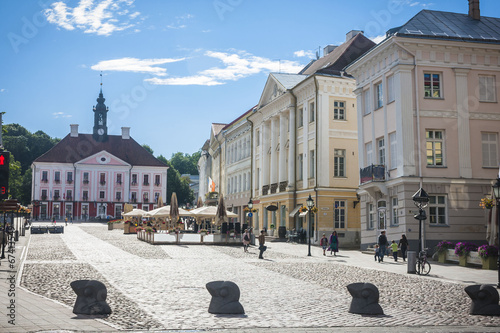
[[163, 287]]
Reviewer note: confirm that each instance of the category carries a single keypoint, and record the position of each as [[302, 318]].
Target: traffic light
[[4, 175]]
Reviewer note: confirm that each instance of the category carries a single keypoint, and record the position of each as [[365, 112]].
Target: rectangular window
[[340, 214], [69, 177], [145, 197], [393, 150], [490, 149], [371, 216], [157, 180], [390, 89], [133, 196], [134, 179], [45, 177], [311, 164], [435, 147], [301, 117], [102, 178], [339, 163], [56, 195], [57, 176], [257, 179], [437, 209], [339, 110], [119, 178], [101, 194], [69, 195], [44, 194], [146, 179], [366, 101], [301, 167], [432, 85], [381, 151], [85, 177], [118, 196], [157, 197], [379, 95], [85, 195], [487, 89], [369, 154], [311, 112], [395, 217]]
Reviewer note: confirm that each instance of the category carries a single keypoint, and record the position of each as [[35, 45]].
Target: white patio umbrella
[[208, 212], [135, 212], [164, 211]]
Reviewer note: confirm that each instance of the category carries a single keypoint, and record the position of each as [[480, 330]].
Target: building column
[[463, 130], [282, 153], [291, 148], [274, 155], [361, 135], [265, 155]]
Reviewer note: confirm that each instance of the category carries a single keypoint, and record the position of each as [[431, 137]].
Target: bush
[[463, 248], [486, 251], [444, 246]]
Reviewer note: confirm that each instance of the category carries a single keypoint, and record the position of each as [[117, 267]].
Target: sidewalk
[[261, 282]]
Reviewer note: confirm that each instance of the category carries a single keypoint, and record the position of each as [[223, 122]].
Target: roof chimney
[[74, 130], [329, 48], [125, 133], [474, 9], [351, 34]]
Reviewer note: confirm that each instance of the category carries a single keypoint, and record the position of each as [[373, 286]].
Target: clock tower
[[100, 132]]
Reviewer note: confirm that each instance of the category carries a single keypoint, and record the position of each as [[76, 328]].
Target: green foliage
[[177, 184], [148, 148], [185, 163]]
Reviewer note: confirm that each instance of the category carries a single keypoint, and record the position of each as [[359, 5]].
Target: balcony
[[45, 180], [57, 181], [69, 198], [265, 189], [85, 181], [157, 184], [69, 181], [44, 197], [85, 198], [56, 197], [372, 173], [102, 182], [146, 184], [274, 187]]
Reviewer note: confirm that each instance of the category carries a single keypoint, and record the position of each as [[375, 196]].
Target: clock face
[[100, 131]]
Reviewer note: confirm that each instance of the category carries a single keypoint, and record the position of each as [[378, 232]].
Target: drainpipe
[[75, 206], [316, 155]]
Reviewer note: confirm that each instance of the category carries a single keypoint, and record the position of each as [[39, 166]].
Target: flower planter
[[110, 226], [451, 256], [462, 260], [474, 259], [442, 257], [490, 263]]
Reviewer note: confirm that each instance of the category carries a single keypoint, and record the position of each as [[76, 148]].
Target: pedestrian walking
[[394, 247], [334, 243], [376, 251], [66, 221], [382, 243], [246, 240], [404, 246], [54, 219], [262, 241], [324, 243]]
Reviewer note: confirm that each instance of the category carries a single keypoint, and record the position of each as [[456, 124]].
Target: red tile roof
[[74, 149]]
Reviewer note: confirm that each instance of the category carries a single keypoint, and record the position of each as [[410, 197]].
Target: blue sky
[[170, 68]]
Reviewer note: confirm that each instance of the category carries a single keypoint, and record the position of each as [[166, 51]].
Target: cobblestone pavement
[[163, 287]]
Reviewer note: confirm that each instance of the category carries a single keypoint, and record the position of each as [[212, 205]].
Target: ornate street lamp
[[421, 200], [250, 207], [496, 193], [310, 205]]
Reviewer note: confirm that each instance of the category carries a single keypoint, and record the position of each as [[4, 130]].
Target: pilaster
[[463, 129]]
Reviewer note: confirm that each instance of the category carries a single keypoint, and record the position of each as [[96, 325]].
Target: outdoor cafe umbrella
[[174, 208], [199, 203], [165, 212], [160, 202], [221, 215], [135, 213], [209, 212]]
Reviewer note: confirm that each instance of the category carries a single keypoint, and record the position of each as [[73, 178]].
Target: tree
[[185, 163], [148, 148], [177, 184], [15, 179]]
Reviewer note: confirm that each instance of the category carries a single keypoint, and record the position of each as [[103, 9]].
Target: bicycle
[[423, 266]]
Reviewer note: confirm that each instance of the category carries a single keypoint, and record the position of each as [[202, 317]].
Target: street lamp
[[421, 200], [250, 206], [496, 193], [310, 205]]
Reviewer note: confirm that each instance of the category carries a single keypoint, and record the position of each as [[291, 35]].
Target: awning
[[295, 211], [303, 214]]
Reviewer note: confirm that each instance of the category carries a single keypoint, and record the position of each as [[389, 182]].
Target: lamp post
[[310, 205], [496, 193], [250, 206], [421, 200]]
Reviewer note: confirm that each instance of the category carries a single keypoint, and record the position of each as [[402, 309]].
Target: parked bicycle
[[423, 266]]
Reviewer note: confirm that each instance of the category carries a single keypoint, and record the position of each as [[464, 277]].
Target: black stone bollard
[[364, 299], [484, 300], [225, 298], [91, 298]]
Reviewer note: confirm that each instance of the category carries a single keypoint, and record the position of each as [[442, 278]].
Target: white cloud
[[135, 65], [377, 39], [303, 53], [2, 90], [180, 22], [236, 66], [101, 18], [61, 115]]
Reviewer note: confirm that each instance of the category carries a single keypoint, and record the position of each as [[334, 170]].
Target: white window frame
[[393, 150], [301, 167], [489, 145], [311, 112], [301, 117], [369, 153], [339, 163], [431, 139], [381, 151], [340, 214], [370, 216], [487, 88], [339, 112], [390, 89], [436, 210], [311, 164], [394, 211], [379, 95], [431, 92]]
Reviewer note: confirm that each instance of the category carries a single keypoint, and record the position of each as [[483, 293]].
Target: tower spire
[[100, 118]]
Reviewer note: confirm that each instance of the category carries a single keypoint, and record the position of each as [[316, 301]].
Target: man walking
[[262, 241], [382, 243]]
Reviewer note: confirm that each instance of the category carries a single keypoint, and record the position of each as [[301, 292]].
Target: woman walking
[[403, 245], [324, 243], [246, 240], [334, 243]]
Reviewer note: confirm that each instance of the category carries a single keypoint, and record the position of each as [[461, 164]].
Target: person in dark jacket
[[403, 245], [382, 243]]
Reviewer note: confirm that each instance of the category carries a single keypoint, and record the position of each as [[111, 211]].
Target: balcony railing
[[85, 181], [44, 197], [56, 197], [102, 182], [69, 198], [45, 180], [146, 184], [85, 198], [265, 189], [372, 173], [69, 181], [134, 183], [157, 183]]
